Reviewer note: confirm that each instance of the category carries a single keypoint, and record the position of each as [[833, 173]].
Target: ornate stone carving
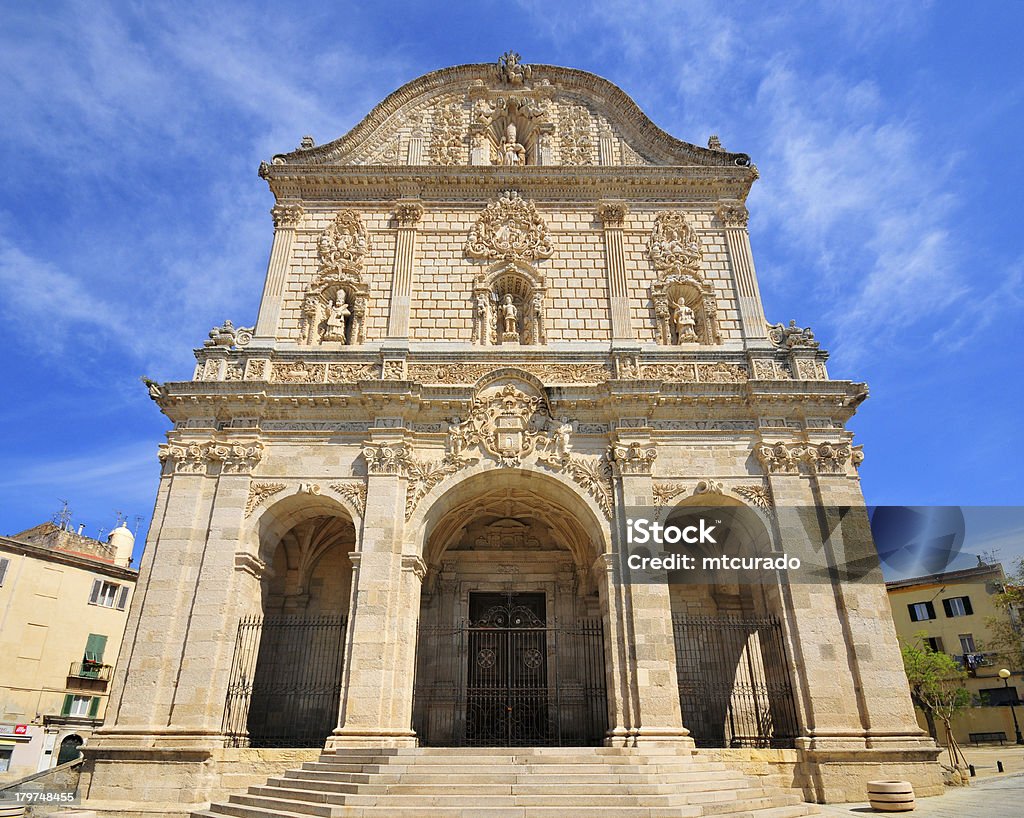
[[448, 146], [808, 369], [354, 492], [612, 214], [509, 424], [719, 372], [256, 369], [823, 458], [674, 246], [459, 373], [351, 373], [705, 425], [228, 336], [511, 71], [393, 370], [709, 487], [258, 492], [792, 336], [593, 474], [286, 215], [766, 369], [196, 457], [733, 213], [386, 458], [685, 304], [665, 492], [423, 476], [297, 372], [714, 143], [577, 145], [758, 496], [407, 214], [334, 309], [510, 229], [308, 488], [633, 458]]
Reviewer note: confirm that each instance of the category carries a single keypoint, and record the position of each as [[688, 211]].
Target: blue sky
[[887, 216]]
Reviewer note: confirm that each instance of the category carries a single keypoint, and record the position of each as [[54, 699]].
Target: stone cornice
[[541, 183]]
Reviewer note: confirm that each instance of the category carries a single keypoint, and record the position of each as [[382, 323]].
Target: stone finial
[[714, 143], [511, 70], [307, 143]]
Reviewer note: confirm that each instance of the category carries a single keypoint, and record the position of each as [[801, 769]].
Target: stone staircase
[[588, 782]]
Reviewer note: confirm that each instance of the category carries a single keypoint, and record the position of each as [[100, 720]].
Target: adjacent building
[[950, 613], [64, 601]]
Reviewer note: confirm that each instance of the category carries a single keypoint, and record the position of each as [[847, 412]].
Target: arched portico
[[510, 642]]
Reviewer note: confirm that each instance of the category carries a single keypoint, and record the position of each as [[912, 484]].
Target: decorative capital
[[612, 214], [387, 458], [733, 213], [408, 214], [415, 565], [634, 458], [819, 458], [510, 229], [286, 214], [194, 458]]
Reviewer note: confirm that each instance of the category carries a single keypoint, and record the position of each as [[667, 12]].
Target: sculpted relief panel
[[334, 308]]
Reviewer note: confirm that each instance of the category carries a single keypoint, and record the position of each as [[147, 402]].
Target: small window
[[108, 594], [921, 611], [957, 606], [78, 706], [5, 759], [935, 643], [998, 696], [967, 643], [4, 562]]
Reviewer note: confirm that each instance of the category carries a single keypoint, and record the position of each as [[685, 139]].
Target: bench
[[978, 738]]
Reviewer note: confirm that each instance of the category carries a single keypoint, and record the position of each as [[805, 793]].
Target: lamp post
[[1004, 674]]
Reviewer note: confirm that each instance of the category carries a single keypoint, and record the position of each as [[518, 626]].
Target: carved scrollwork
[[577, 144], [758, 496], [674, 246], [228, 336], [448, 145], [354, 492], [258, 493], [510, 229], [822, 458], [195, 458], [792, 336]]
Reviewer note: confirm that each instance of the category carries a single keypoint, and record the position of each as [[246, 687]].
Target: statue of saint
[[686, 324], [336, 319], [510, 316], [512, 153]]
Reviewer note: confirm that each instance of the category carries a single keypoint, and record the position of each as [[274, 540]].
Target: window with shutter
[[4, 562], [921, 611], [94, 595], [957, 606], [66, 709], [94, 707], [94, 647], [122, 598]]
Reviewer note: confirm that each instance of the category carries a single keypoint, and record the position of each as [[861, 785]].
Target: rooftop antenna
[[121, 518], [63, 517], [138, 522]]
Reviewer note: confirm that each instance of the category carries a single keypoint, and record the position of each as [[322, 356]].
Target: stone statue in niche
[[509, 320], [685, 321], [337, 320], [512, 153]]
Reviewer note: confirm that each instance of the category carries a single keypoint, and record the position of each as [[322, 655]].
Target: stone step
[[238, 811], [482, 778], [507, 759], [529, 767]]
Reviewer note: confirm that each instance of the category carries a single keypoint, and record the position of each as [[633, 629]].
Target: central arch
[[510, 648]]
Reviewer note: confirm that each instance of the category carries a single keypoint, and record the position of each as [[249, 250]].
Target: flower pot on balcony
[[891, 796]]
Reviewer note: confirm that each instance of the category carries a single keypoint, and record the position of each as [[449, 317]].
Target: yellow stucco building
[[952, 610], [64, 601]]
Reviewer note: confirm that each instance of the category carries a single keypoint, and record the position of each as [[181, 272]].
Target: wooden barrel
[[891, 796]]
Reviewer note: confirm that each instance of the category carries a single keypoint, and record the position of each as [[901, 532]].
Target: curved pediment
[[508, 114]]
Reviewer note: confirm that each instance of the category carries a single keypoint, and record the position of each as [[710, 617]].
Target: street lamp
[[1004, 674]]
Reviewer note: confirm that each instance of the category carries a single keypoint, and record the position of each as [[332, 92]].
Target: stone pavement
[[988, 797]]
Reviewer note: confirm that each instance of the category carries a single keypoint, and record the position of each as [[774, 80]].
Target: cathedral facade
[[499, 313]]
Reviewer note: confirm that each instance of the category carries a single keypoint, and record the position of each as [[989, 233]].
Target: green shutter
[[66, 710], [94, 647], [94, 707]]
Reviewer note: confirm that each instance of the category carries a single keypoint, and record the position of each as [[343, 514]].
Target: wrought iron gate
[[285, 685], [508, 678], [734, 683]]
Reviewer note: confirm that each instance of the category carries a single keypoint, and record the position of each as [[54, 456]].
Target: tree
[[936, 686], [1006, 632]]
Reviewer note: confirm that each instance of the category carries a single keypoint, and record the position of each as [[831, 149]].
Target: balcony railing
[[972, 661], [90, 670]]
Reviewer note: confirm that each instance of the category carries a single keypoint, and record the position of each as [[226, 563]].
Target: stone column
[[407, 215], [286, 218], [656, 716], [373, 659], [618, 657], [406, 633], [612, 215], [175, 669], [733, 215]]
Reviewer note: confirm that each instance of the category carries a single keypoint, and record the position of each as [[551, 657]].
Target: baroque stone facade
[[499, 312]]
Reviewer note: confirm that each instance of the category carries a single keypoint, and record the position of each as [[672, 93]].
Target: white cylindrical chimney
[[123, 541]]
